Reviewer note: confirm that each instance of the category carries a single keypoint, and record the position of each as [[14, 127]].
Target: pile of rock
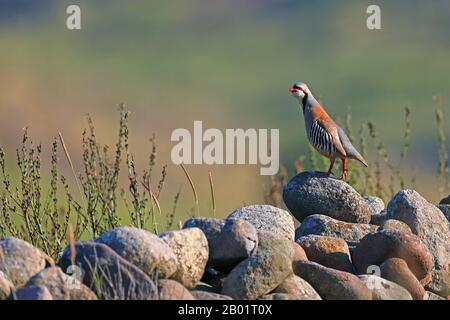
[[399, 252], [346, 247]]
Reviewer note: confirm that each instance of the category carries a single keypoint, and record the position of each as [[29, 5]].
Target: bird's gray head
[[300, 90], [302, 93]]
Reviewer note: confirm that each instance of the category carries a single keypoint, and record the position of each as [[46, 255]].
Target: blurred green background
[[228, 63]]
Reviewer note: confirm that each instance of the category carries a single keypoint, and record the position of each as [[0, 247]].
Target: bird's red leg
[[344, 170], [331, 166]]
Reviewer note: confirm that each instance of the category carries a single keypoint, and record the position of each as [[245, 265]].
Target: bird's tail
[[351, 151], [360, 158]]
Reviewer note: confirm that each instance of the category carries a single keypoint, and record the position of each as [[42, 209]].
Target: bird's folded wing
[[331, 128]]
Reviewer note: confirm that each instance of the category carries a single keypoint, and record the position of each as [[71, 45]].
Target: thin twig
[[192, 187], [213, 198], [71, 239], [66, 152]]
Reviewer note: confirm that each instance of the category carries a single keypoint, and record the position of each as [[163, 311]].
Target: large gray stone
[[191, 249], [267, 218], [323, 225], [109, 275], [258, 275], [143, 249], [426, 221], [230, 241], [20, 260], [311, 193]]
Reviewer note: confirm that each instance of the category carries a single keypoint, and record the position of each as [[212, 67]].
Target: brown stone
[[328, 251], [395, 225], [299, 253], [332, 284], [379, 246], [172, 290], [396, 270], [298, 287]]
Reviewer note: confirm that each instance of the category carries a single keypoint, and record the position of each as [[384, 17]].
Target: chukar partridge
[[322, 132]]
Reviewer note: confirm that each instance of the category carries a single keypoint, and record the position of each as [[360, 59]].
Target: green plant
[[213, 196], [273, 194], [25, 211], [443, 166], [43, 217]]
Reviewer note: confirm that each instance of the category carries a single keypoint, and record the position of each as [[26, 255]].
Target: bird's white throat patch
[[235, 146]]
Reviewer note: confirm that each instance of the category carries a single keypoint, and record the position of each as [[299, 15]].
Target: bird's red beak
[[291, 90]]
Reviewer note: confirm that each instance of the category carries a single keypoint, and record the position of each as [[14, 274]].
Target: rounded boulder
[[311, 193], [379, 246], [143, 249], [191, 249], [267, 218]]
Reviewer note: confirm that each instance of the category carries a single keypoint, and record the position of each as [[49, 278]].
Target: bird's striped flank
[[321, 139]]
